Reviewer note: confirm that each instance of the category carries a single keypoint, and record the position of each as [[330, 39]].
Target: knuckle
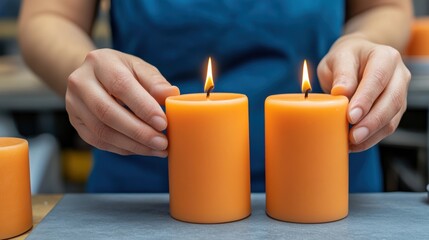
[[136, 148], [119, 84], [393, 53], [93, 55], [102, 110], [146, 67], [404, 107], [157, 78], [378, 120], [379, 74], [98, 54], [99, 143], [340, 55], [390, 128], [73, 81], [147, 111], [397, 100], [154, 69], [365, 101], [69, 104], [141, 135], [407, 74], [101, 131], [387, 51]]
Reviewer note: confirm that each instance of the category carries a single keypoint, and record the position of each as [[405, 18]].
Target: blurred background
[[60, 161]]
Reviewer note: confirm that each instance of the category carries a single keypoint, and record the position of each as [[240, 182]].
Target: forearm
[[53, 47], [385, 23]]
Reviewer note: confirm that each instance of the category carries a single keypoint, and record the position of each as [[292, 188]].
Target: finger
[[378, 136], [105, 108], [89, 137], [122, 84], [391, 102], [153, 81], [377, 73], [325, 76], [340, 71], [108, 111], [104, 132]]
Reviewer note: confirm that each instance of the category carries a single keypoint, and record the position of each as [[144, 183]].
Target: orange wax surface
[[208, 161], [15, 193], [306, 157], [418, 44]]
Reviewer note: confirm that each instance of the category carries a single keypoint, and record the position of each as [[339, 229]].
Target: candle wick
[[306, 93], [208, 92]]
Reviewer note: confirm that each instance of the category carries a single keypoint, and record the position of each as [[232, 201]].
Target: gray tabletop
[[146, 216]]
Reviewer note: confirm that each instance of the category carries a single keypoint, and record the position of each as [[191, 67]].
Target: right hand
[[113, 101]]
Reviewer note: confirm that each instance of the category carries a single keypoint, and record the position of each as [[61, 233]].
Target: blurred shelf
[[418, 93], [406, 138], [8, 28], [415, 179], [20, 89]]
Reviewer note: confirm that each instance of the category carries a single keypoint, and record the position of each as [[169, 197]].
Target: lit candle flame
[[306, 86], [209, 85]]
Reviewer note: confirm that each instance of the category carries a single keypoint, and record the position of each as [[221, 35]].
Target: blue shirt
[[259, 47]]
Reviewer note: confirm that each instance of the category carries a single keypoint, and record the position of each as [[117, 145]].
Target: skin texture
[[366, 66], [113, 99]]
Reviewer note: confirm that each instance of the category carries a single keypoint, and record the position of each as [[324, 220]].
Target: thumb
[[325, 76], [153, 81]]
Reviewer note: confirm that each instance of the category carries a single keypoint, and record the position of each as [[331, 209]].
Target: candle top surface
[[11, 141], [312, 99], [201, 98]]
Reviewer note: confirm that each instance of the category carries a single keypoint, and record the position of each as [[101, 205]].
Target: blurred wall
[[421, 7]]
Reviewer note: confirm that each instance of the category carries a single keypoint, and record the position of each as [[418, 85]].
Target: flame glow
[[209, 85], [306, 86]]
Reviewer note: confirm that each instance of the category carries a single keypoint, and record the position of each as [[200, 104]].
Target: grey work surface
[[146, 216]]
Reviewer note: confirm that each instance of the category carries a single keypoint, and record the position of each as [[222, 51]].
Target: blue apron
[[258, 46]]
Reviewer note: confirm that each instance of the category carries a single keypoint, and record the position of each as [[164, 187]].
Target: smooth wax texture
[[15, 194], [208, 161], [418, 44], [306, 157]]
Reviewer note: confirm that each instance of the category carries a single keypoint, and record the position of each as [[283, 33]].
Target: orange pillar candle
[[306, 157], [418, 45], [15, 193], [209, 166]]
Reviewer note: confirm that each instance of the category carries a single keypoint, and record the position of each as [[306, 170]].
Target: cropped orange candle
[[418, 44], [306, 157], [209, 167], [15, 193]]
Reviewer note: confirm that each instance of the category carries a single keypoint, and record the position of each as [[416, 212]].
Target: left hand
[[375, 80]]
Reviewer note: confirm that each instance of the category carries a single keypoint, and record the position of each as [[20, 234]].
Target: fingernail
[[158, 123], [158, 143], [355, 115], [360, 134]]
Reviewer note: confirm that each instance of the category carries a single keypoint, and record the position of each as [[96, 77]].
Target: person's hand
[[113, 101], [375, 80]]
